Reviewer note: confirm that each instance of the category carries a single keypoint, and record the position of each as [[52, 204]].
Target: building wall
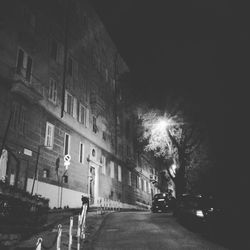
[[38, 30]]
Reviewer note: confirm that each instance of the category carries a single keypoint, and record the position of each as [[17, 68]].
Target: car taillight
[[199, 213]]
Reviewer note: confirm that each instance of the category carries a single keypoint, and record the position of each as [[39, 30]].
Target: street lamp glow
[[162, 124], [158, 130]]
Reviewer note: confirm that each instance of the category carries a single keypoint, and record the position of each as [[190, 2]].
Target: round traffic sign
[[67, 157]]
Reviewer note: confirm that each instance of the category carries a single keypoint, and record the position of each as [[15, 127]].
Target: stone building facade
[[60, 94]]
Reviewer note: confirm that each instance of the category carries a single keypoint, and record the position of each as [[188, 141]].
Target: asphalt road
[[145, 230]]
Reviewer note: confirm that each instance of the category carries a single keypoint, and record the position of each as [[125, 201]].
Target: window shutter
[[29, 66], [50, 89], [25, 61], [81, 153], [80, 112], [75, 108], [65, 101], [55, 92], [87, 117]]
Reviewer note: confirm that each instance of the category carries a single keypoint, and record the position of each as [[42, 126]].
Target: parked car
[[198, 211], [162, 202]]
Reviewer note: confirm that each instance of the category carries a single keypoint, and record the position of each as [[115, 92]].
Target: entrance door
[[92, 184]]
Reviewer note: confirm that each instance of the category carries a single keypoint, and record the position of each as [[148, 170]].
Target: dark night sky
[[198, 49]]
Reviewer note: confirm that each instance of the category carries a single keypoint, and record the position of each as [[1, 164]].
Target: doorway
[[92, 184]]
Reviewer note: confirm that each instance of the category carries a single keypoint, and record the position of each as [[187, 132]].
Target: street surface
[[146, 230]]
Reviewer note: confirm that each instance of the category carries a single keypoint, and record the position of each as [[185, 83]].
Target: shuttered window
[[24, 65], [119, 173], [112, 169], [81, 152], [49, 135], [52, 90], [66, 144], [129, 178]]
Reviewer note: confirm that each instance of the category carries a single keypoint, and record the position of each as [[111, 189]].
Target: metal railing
[[80, 233]]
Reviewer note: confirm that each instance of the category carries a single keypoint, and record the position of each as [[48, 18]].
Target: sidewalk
[[49, 234]]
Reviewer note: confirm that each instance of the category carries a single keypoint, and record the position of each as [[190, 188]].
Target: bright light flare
[[164, 123], [157, 130]]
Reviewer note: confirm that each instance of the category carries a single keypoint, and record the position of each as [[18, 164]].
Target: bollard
[[105, 204], [100, 205], [70, 232], [97, 205], [78, 232], [84, 213], [59, 235], [39, 244]]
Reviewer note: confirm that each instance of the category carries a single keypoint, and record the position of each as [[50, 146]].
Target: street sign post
[[67, 159]]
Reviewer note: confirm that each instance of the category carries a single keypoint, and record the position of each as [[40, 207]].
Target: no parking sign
[[67, 160]]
